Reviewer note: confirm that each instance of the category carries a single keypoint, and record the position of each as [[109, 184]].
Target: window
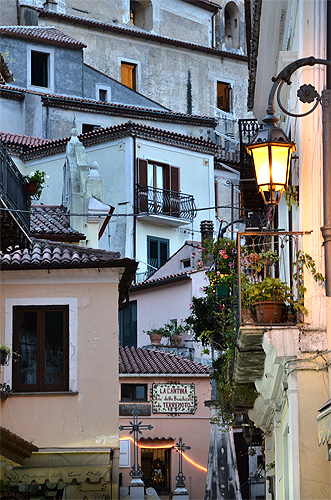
[[158, 188], [103, 95], [39, 69], [129, 75], [231, 16], [88, 127], [41, 337], [224, 96], [157, 252], [133, 392], [141, 14], [128, 325], [186, 263], [155, 464]]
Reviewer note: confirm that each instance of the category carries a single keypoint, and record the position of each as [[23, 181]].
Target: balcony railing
[[270, 278], [15, 226], [155, 201]]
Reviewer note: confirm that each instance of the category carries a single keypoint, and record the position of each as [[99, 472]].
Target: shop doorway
[[155, 464]]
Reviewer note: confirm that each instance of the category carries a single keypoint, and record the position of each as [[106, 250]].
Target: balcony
[[164, 207], [14, 204], [270, 296]]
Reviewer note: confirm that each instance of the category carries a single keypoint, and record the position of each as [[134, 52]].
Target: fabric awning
[[324, 423], [54, 474]]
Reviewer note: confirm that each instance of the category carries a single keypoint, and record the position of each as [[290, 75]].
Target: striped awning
[[324, 423]]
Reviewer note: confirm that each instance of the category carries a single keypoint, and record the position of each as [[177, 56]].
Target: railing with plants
[[261, 269], [271, 287], [12, 188], [157, 201]]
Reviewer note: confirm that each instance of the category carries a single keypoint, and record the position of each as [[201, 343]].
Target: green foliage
[[5, 391], [39, 179], [169, 330], [304, 260], [269, 289]]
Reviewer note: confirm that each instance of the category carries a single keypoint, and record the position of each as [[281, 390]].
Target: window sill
[[59, 393]]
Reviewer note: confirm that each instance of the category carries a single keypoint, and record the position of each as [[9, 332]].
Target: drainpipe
[[134, 198], [326, 118]]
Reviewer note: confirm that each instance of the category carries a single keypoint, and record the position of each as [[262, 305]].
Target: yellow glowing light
[[166, 446]]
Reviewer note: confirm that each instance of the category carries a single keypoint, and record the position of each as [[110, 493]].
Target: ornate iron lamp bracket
[[306, 93]]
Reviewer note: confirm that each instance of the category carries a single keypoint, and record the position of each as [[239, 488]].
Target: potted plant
[[269, 257], [268, 298], [176, 333], [5, 391], [34, 183], [5, 353], [156, 334]]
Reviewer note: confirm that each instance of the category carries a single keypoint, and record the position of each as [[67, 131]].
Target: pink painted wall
[[193, 429]]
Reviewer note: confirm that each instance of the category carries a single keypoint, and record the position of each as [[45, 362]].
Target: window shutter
[[142, 172], [174, 187], [142, 191], [174, 179]]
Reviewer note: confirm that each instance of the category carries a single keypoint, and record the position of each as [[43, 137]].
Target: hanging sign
[[173, 398]]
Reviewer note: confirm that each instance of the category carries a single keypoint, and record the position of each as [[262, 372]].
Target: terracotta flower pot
[[155, 338], [269, 312], [175, 340], [31, 187]]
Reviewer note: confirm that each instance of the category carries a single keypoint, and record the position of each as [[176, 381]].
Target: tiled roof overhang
[[131, 33], [116, 109], [135, 360], [45, 34], [102, 135], [14, 447], [44, 254], [253, 52], [53, 222], [163, 280]]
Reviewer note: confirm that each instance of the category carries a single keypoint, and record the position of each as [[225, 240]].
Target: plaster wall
[[11, 116], [193, 429], [68, 420], [195, 78], [315, 473]]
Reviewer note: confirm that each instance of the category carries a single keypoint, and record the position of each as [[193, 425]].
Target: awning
[[40, 475], [324, 423]]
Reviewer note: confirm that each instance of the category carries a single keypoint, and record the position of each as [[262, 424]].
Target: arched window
[[231, 22], [141, 14]]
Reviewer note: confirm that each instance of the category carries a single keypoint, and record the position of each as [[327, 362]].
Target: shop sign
[[54, 474], [173, 398]]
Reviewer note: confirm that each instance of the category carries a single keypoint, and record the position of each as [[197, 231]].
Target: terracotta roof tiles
[[134, 360], [42, 33], [52, 222]]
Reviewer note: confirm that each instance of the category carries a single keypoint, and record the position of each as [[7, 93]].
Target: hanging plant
[[292, 197]]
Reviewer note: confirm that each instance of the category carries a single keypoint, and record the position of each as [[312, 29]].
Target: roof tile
[[53, 222], [145, 361], [43, 33]]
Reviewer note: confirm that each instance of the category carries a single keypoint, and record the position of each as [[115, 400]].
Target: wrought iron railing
[[12, 189], [157, 201], [270, 277]]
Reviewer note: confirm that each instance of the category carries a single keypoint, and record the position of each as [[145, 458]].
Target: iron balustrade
[[12, 189], [270, 277], [151, 200]]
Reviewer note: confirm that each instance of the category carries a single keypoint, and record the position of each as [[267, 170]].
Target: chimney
[[207, 234]]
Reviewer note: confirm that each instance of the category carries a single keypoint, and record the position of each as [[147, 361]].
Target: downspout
[[18, 11], [326, 118], [134, 198], [47, 121]]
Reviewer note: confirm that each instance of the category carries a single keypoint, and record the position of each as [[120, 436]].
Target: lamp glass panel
[[261, 163], [279, 166]]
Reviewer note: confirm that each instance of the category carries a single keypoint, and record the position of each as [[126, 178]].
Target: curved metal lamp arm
[[284, 76]]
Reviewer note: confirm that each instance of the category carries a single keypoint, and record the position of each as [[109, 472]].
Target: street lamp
[[271, 151], [270, 148], [275, 164]]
